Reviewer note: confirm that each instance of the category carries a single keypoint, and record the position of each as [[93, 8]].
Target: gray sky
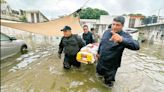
[[55, 8]]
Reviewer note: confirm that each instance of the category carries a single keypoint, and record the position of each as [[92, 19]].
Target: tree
[[23, 19], [90, 13]]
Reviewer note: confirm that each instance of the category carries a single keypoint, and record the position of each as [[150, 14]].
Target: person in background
[[71, 44], [110, 26], [95, 35], [87, 35], [111, 47]]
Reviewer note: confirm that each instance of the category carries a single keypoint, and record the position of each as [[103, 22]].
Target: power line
[[59, 6], [84, 4], [78, 10]]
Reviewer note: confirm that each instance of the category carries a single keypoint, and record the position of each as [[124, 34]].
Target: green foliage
[[23, 19], [90, 13]]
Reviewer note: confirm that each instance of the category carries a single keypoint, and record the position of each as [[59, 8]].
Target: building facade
[[90, 22], [34, 16], [31, 16], [152, 33], [8, 13], [106, 20]]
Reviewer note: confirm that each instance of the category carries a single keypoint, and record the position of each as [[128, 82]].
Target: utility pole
[[158, 18]]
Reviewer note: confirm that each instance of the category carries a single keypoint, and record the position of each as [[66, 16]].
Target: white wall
[[137, 22], [29, 19], [127, 19], [31, 39], [6, 12], [28, 16], [89, 22], [42, 18], [106, 19]]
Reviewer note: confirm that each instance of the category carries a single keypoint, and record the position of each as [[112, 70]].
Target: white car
[[11, 46]]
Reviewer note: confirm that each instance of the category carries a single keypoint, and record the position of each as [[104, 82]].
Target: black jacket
[[111, 52], [88, 38], [71, 45]]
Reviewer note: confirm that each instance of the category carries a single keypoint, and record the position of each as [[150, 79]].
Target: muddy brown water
[[40, 70]]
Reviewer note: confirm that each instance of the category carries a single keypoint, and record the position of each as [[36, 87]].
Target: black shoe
[[66, 67], [109, 84]]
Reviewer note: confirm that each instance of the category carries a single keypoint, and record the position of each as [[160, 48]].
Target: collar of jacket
[[120, 32], [87, 33], [69, 36]]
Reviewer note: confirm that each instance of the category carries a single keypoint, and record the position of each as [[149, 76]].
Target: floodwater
[[40, 70]]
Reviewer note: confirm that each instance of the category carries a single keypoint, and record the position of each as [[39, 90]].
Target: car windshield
[[4, 38]]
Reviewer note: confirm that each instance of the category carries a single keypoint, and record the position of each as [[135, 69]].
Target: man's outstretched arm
[[130, 43]]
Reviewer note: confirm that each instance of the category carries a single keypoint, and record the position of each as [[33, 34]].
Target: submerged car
[[11, 46]]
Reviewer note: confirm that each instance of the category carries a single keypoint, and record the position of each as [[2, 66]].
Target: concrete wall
[[32, 40], [90, 22], [153, 34], [137, 22], [6, 13], [29, 18], [106, 19]]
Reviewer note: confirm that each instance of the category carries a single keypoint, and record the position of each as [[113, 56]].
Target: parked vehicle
[[11, 46]]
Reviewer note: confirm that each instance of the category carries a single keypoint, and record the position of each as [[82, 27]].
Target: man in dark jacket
[[112, 45], [87, 35], [71, 44]]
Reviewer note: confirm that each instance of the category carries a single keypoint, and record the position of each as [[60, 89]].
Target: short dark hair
[[92, 29], [85, 26], [120, 19], [110, 26]]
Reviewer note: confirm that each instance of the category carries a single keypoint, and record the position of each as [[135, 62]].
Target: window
[[32, 17], [4, 38], [131, 23], [37, 16]]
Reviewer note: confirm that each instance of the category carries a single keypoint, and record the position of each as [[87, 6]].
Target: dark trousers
[[69, 61], [107, 73]]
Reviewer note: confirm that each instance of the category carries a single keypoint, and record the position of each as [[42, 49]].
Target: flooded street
[[32, 59], [43, 72], [40, 70], [141, 71]]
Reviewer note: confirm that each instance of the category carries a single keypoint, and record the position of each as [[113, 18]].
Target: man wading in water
[[112, 45], [71, 44]]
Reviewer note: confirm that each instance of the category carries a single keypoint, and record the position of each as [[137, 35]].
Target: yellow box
[[85, 57]]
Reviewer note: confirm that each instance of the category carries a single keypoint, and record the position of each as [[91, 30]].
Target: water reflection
[[153, 50]]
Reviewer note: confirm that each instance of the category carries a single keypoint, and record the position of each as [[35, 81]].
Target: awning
[[50, 28]]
